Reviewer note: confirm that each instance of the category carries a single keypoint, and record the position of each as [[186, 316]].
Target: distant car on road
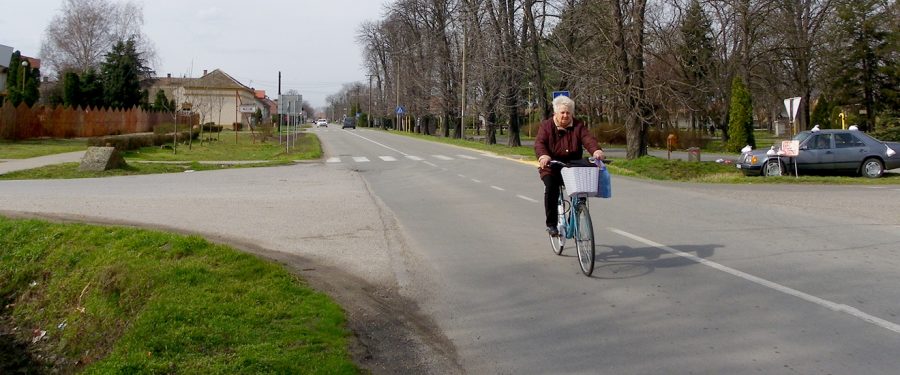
[[321, 122], [842, 151], [349, 122]]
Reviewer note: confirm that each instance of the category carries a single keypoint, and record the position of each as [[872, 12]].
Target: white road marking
[[380, 144], [360, 159], [388, 158], [850, 310], [441, 157], [497, 188], [430, 163], [476, 181], [334, 159], [526, 198], [415, 158], [467, 157], [462, 176]]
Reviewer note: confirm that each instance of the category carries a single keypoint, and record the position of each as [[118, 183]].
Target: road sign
[[561, 93], [247, 108], [400, 110], [791, 105]]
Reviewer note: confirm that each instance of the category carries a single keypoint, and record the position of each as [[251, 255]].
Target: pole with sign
[[791, 148], [791, 105]]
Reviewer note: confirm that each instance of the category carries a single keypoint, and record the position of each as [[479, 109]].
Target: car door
[[849, 151], [817, 153]]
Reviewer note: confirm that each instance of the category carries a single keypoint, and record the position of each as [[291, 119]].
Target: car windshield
[[801, 136]]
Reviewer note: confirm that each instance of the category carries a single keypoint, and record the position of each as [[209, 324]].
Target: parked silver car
[[844, 151]]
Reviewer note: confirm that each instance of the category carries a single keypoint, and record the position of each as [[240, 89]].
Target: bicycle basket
[[581, 181]]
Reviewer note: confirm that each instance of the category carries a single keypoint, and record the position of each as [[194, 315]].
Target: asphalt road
[[711, 279]]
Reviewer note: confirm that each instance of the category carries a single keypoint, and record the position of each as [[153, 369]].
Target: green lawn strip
[[39, 147], [305, 147], [70, 170], [125, 300], [524, 152], [679, 170]]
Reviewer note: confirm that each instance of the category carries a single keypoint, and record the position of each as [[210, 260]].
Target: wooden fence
[[23, 122]]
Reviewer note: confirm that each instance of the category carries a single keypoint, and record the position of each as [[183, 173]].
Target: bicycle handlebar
[[568, 165]]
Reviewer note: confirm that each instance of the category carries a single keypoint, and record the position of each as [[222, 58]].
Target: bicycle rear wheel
[[584, 238]]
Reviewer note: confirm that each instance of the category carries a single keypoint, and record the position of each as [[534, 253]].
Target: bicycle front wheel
[[584, 238]]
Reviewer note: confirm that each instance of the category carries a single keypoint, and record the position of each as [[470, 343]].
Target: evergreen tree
[[22, 82], [865, 71], [91, 90], [72, 96], [697, 56], [161, 103], [821, 114], [740, 118], [121, 74]]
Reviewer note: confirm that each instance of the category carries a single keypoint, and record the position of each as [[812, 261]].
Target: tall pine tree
[[22, 82], [121, 74], [72, 96], [740, 118], [697, 59], [865, 71]]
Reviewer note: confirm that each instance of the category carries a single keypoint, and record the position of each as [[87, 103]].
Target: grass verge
[[655, 168], [70, 170], [39, 147], [123, 300], [231, 146], [710, 172]]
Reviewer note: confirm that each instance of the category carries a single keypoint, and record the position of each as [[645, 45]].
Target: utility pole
[[369, 115]]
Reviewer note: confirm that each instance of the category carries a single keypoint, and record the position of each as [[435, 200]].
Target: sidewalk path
[[40, 161]]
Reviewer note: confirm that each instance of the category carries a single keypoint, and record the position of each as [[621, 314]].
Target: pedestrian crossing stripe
[[416, 158], [333, 160], [387, 158], [467, 157], [360, 159], [442, 157]]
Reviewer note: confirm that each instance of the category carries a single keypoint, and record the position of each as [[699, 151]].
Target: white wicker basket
[[581, 180]]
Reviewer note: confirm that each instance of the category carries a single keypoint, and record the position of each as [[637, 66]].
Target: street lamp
[[22, 86]]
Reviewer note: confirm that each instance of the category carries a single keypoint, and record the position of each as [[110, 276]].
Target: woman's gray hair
[[563, 101]]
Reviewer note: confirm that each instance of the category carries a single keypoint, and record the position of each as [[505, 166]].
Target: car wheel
[[772, 168], [872, 168]]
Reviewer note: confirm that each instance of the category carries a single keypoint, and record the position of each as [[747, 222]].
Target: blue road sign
[[400, 110], [561, 93]]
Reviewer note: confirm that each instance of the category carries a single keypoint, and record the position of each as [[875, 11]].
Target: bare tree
[[85, 30]]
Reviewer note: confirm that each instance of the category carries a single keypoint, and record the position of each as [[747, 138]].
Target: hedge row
[[135, 141]]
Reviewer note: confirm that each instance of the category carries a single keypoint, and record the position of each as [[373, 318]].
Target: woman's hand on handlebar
[[543, 161]]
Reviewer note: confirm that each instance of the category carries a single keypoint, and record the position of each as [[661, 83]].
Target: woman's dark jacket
[[563, 145]]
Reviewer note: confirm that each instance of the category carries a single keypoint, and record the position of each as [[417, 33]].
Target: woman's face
[[562, 115]]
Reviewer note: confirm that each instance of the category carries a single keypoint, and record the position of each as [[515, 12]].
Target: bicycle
[[574, 215]]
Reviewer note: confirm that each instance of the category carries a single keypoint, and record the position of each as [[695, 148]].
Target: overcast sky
[[312, 42]]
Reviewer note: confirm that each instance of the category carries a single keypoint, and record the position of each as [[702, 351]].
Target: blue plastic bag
[[604, 189]]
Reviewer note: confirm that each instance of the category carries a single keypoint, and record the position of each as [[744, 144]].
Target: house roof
[[217, 79]]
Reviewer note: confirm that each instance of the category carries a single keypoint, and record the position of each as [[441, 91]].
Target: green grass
[[710, 172], [70, 170], [227, 148], [306, 147], [39, 147], [124, 300], [523, 152]]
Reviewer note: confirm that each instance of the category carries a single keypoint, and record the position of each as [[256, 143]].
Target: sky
[[311, 42]]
